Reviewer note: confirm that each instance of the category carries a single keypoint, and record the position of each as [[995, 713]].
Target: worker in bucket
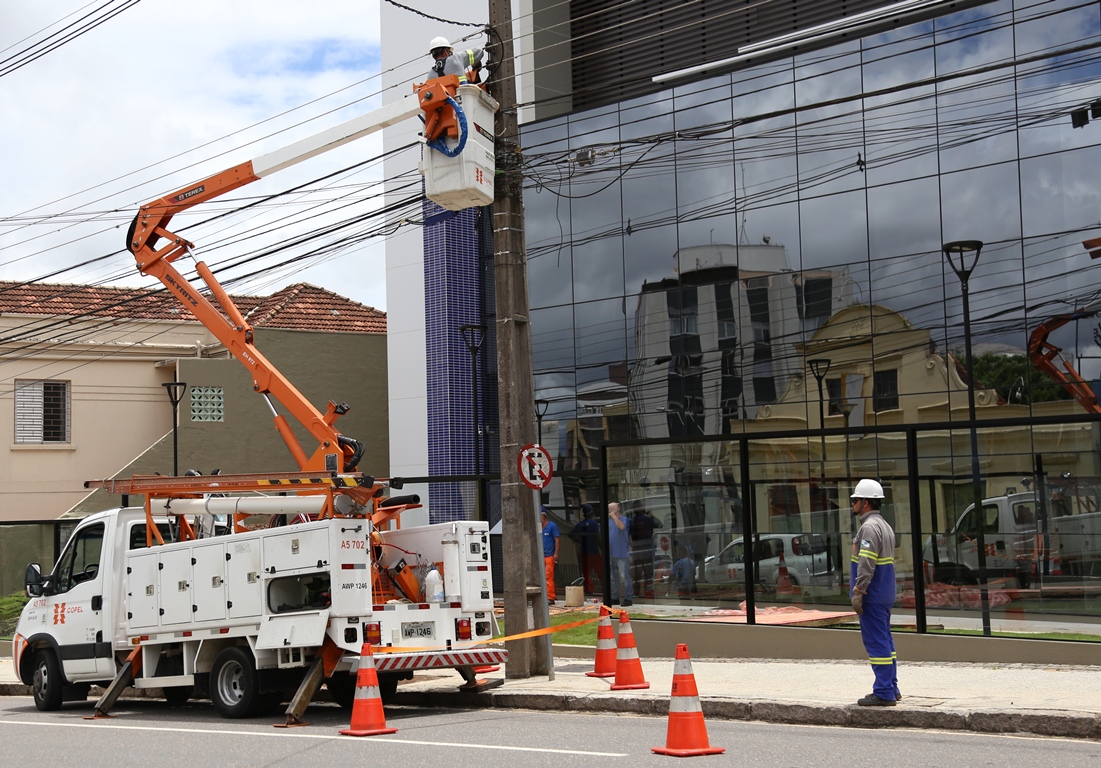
[[872, 591], [465, 64]]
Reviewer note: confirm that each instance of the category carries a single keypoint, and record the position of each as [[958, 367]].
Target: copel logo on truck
[[60, 610]]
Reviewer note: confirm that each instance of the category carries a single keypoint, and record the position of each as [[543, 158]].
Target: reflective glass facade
[[761, 252]]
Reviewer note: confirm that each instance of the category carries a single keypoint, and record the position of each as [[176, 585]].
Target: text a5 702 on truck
[[255, 588]]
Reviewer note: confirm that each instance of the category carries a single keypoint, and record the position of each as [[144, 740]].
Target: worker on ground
[[872, 591], [465, 64], [550, 551]]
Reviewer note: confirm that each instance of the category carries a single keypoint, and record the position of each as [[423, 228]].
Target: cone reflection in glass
[[784, 584], [368, 718], [628, 668], [605, 646], [687, 733]]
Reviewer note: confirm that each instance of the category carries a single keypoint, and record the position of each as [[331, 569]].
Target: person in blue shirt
[[619, 551], [684, 572], [550, 551], [586, 535]]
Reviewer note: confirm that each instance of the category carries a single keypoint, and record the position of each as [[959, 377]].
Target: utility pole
[[525, 597]]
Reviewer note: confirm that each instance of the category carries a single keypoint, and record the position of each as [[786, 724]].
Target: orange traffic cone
[[368, 719], [1056, 567], [628, 668], [687, 734], [605, 646], [783, 578]]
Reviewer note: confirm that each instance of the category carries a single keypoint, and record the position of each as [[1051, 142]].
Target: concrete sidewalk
[[995, 698], [989, 698]]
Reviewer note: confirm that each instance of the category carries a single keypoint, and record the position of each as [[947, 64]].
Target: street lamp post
[[541, 407], [473, 336], [175, 390], [846, 408], [819, 367], [962, 257], [846, 411]]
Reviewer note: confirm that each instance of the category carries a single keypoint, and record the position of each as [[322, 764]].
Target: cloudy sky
[[100, 120]]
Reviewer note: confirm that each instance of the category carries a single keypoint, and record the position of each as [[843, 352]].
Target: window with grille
[[41, 411], [885, 389], [207, 404]]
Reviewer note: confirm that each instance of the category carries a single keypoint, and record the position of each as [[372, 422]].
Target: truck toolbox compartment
[[299, 629]]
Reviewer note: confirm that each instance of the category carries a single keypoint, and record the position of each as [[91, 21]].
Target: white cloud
[[164, 94]]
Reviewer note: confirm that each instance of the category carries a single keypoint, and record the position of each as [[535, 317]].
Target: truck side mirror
[[33, 581]]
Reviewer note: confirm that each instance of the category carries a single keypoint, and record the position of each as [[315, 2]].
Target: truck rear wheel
[[47, 683], [178, 694], [342, 687], [233, 683]]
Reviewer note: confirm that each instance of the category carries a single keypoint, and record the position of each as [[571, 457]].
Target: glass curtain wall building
[[738, 282]]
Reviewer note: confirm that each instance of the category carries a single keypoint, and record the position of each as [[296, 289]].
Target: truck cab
[[66, 637], [1007, 526]]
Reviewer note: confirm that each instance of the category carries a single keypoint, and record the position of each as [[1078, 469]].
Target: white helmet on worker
[[867, 489], [436, 44]]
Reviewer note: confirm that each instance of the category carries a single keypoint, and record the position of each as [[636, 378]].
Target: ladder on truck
[[365, 496]]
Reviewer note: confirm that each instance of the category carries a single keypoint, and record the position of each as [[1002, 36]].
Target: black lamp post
[[846, 409], [541, 407], [819, 367], [175, 391], [962, 257], [473, 336]]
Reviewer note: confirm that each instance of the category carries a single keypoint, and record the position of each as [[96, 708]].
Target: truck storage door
[[175, 586], [476, 580], [243, 590], [141, 591], [208, 588]]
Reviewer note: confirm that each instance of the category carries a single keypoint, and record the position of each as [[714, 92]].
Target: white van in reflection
[[804, 555]]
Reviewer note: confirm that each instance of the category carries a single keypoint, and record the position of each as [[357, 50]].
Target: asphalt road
[[151, 733]]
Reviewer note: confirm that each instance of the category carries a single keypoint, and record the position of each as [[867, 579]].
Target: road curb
[[1062, 724]]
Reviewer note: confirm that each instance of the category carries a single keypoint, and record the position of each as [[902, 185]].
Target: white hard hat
[[867, 489], [438, 42]]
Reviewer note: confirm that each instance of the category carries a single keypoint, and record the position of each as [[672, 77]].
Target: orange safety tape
[[376, 649]]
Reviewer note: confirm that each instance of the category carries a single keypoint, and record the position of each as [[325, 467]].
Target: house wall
[[347, 368], [121, 418], [117, 407]]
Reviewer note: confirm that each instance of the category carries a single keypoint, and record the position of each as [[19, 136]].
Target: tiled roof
[[300, 307]]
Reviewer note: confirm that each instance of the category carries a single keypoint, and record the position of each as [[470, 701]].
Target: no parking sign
[[535, 465]]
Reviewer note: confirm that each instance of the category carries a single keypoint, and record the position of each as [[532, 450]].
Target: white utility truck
[[250, 616], [1022, 538]]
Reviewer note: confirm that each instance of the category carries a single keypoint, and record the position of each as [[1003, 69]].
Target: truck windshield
[[80, 560], [987, 522]]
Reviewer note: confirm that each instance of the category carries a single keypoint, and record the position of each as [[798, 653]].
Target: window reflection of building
[[733, 318]]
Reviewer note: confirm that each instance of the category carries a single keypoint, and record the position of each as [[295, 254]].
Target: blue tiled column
[[454, 296]]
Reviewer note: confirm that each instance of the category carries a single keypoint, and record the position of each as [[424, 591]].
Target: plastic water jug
[[433, 587]]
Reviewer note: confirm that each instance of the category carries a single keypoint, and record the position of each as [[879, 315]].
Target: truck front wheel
[[47, 684], [233, 683]]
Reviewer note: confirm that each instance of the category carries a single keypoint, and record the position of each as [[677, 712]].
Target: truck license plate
[[417, 630]]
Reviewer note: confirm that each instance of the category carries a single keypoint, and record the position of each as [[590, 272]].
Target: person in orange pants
[[550, 551]]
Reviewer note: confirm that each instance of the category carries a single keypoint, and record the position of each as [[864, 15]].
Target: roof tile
[[301, 306]]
